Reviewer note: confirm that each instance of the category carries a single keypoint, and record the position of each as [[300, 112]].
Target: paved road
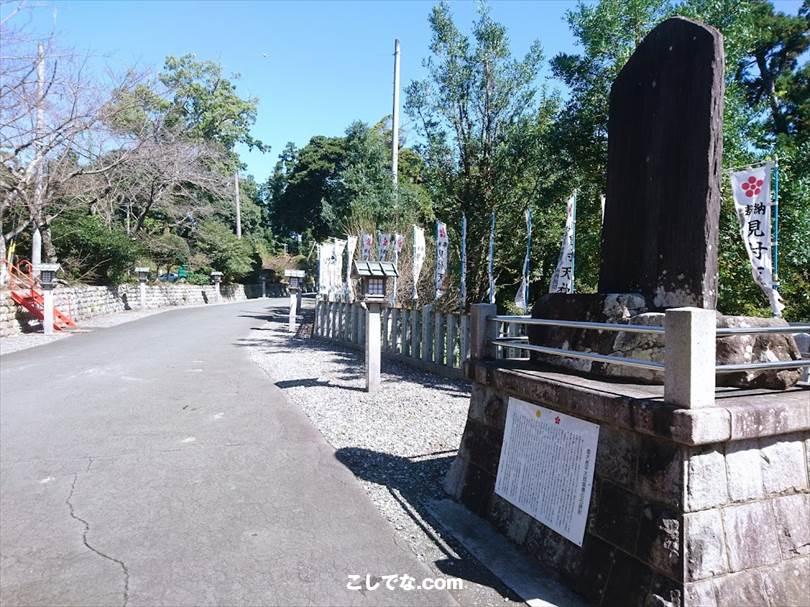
[[153, 463]]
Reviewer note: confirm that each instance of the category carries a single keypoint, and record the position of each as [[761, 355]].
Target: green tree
[[297, 204], [206, 105], [764, 112], [484, 124]]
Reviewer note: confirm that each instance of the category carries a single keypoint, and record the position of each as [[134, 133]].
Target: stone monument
[[674, 507], [660, 233], [665, 149]]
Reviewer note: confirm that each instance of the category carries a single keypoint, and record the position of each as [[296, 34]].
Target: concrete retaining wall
[[83, 302]]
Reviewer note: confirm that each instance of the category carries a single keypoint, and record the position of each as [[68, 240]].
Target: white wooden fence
[[438, 342]]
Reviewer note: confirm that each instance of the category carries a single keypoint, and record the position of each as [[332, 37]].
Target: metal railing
[[521, 343], [689, 369]]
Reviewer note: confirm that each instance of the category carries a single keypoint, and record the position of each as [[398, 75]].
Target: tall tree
[[483, 122]]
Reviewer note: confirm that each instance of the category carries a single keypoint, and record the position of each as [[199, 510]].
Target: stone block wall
[[688, 508], [84, 301]]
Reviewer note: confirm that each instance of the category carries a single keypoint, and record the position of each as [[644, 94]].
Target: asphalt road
[[153, 463]]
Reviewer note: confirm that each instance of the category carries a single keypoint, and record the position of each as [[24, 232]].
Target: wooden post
[[451, 341], [293, 312], [384, 318], [373, 335], [406, 332], [464, 340], [415, 352], [438, 338], [395, 330], [427, 333]]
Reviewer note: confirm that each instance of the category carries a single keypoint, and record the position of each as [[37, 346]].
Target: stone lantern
[[47, 280], [216, 277], [295, 279], [376, 280], [143, 276]]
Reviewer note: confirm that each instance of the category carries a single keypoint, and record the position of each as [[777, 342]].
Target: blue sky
[[315, 66]]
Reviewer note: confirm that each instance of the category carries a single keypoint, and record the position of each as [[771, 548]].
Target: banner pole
[[573, 244], [776, 224], [463, 262]]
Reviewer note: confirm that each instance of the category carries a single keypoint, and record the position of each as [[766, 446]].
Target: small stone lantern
[[143, 276], [374, 279], [47, 279], [295, 279], [47, 275], [217, 278]]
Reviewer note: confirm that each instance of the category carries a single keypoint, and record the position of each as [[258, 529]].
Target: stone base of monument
[[704, 507], [634, 309]]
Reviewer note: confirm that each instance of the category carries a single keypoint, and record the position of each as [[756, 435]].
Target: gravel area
[[24, 341], [399, 442]]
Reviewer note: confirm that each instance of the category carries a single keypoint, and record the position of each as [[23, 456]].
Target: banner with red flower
[[751, 189]]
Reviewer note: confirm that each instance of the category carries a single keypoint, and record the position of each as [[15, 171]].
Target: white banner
[[325, 252], [383, 245], [366, 242], [351, 245], [562, 281], [751, 189], [336, 289], [398, 242], [419, 251], [441, 257]]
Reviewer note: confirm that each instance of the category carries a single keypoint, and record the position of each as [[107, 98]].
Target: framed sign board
[[546, 466]]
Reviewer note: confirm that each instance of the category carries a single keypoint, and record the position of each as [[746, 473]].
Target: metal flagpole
[[573, 243], [776, 224], [491, 265], [527, 265], [463, 261]]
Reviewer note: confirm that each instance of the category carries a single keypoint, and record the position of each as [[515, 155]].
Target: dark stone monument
[[660, 234], [665, 148]]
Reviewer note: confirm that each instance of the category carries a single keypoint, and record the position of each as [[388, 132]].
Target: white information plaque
[[546, 466]]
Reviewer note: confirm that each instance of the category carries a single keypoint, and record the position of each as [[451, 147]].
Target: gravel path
[[399, 442]]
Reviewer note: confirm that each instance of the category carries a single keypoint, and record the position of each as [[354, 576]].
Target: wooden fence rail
[[434, 341], [438, 342]]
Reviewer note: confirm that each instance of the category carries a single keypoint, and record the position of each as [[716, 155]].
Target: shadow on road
[[412, 482]]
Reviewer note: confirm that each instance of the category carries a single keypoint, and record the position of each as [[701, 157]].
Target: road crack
[[92, 548]]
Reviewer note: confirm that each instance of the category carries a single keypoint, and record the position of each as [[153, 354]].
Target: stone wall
[[707, 507], [83, 302]]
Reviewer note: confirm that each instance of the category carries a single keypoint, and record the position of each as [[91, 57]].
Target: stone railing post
[[482, 331], [689, 357]]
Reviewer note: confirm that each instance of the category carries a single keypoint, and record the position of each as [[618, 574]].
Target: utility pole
[[395, 118], [238, 206], [39, 189]]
